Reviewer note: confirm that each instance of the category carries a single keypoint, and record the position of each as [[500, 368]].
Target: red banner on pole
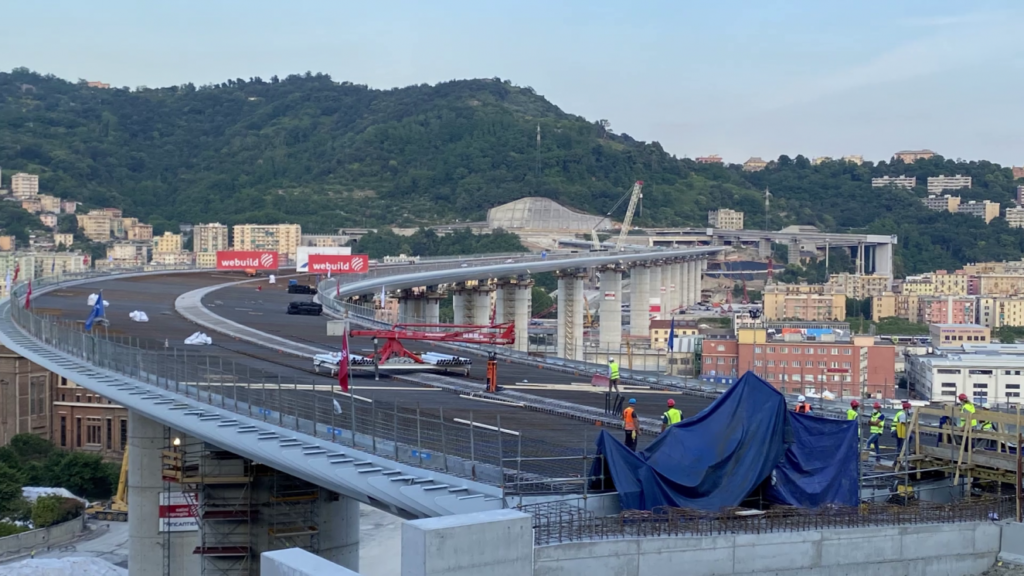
[[343, 363]]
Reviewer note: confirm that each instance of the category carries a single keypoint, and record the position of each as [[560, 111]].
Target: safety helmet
[[906, 405], [854, 404], [671, 402], [801, 398], [962, 397], [611, 358], [632, 400], [986, 406], [877, 405]]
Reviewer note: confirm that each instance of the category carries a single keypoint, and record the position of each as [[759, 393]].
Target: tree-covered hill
[[326, 154]]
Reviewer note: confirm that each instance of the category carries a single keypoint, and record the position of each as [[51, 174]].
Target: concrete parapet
[[933, 550], [1011, 546], [298, 562], [496, 543]]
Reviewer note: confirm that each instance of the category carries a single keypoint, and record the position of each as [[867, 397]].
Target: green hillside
[[325, 154]]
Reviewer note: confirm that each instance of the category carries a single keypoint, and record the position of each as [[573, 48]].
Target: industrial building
[[990, 373]]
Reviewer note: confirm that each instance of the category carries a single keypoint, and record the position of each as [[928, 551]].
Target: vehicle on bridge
[[295, 288], [305, 308]]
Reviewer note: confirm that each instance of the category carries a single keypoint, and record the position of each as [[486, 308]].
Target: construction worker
[[613, 375], [967, 407], [902, 423], [802, 407], [987, 426], [631, 424], [671, 416], [876, 425], [854, 414]]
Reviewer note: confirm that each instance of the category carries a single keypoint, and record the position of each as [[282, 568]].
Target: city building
[[1020, 195], [1009, 284], [907, 182], [63, 239], [128, 252], [169, 242], [1000, 311], [712, 159], [984, 209], [95, 225], [48, 220], [32, 205], [659, 330], [857, 159], [1018, 172], [911, 156], [282, 238], [889, 304], [1015, 216], [947, 309], [114, 212], [804, 302], [180, 258], [24, 185], [942, 203], [820, 160], [97, 84], [956, 335], [87, 422], [7, 243], [25, 397], [939, 184], [206, 259], [68, 206], [754, 164], [725, 219], [325, 240], [950, 284], [210, 238], [139, 232], [806, 362], [49, 203], [860, 286], [991, 373], [46, 264]]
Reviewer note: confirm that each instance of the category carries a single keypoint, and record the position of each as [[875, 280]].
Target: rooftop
[[958, 326]]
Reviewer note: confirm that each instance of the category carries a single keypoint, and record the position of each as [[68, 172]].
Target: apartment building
[[283, 238], [63, 239], [48, 220], [24, 186], [58, 263], [49, 203], [180, 258], [206, 259], [942, 203], [1015, 217], [985, 373], [85, 421], [139, 232], [68, 206], [939, 184], [128, 252], [32, 205], [820, 160], [114, 212], [984, 209], [7, 243], [1018, 172], [95, 225], [169, 242], [725, 219], [754, 164], [659, 331], [949, 283], [906, 182], [1001, 284], [911, 156], [325, 240], [860, 286], [25, 397], [805, 302], [994, 312], [1020, 195], [857, 159], [802, 363], [947, 309], [210, 238], [889, 304], [712, 159]]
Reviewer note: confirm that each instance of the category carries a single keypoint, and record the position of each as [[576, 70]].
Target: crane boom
[[628, 220]]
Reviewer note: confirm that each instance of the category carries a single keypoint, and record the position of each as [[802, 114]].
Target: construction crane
[[496, 334], [589, 322], [634, 197], [117, 507]]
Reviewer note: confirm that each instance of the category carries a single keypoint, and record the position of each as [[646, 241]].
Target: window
[[37, 396], [721, 360], [771, 362], [822, 350], [846, 364], [1013, 386], [93, 430], [771, 376], [110, 433], [720, 348], [783, 363], [124, 433], [62, 397], [708, 360], [796, 350], [980, 372], [948, 371], [835, 351], [78, 397], [949, 385], [834, 365], [757, 349], [980, 386], [78, 432], [980, 394], [1013, 394], [809, 350], [63, 431], [821, 364], [809, 377], [771, 349], [733, 361], [757, 362], [784, 350], [949, 392]]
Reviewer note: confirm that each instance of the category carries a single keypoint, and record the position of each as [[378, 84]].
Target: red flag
[[17, 270], [259, 288], [28, 295], [343, 363]]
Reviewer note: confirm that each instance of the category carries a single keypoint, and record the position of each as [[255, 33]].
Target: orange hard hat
[[671, 402], [877, 405], [854, 404], [963, 397]]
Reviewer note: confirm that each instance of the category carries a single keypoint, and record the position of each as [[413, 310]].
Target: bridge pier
[[638, 300], [462, 305], [569, 334], [339, 529], [610, 331], [481, 297], [657, 289], [513, 303], [432, 307]]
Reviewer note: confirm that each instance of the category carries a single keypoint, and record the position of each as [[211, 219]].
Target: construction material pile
[[63, 567]]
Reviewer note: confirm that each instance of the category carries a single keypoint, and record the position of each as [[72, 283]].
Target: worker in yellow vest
[[902, 423], [631, 424], [671, 416], [854, 414], [986, 425], [876, 424], [967, 407]]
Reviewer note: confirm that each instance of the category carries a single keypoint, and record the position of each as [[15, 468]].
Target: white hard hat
[[986, 406], [801, 398], [611, 358]]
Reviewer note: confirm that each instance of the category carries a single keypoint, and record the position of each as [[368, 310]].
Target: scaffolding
[[293, 513]]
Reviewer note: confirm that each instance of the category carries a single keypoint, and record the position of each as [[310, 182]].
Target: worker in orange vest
[[631, 424], [802, 407]]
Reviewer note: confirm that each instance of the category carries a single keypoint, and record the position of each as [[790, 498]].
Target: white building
[[907, 182], [986, 373], [1015, 217], [939, 184], [24, 186]]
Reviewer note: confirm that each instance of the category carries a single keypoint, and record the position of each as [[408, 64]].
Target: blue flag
[[53, 265], [672, 334], [97, 312]]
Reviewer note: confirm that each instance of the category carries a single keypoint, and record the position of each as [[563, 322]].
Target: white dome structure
[[535, 213]]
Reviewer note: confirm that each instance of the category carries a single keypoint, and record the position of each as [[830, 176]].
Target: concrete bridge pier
[[638, 300], [657, 289], [692, 279], [481, 297], [513, 303], [339, 529], [569, 334], [611, 310], [432, 306], [462, 304]]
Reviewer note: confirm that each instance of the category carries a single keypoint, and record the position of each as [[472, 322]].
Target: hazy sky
[[736, 78]]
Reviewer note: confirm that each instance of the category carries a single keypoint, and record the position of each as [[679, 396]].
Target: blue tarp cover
[[717, 458]]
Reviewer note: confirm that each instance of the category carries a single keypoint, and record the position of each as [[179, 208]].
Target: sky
[[728, 77]]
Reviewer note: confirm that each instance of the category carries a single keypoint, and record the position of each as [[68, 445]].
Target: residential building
[[725, 219], [956, 335], [128, 252], [97, 84], [117, 229], [95, 225], [942, 203], [169, 242], [1015, 216], [947, 309], [804, 363], [984, 209], [989, 373], [939, 184], [32, 205], [181, 258], [25, 397], [85, 421], [63, 239], [950, 284], [206, 259], [1020, 195], [68, 206], [804, 302], [210, 238], [1001, 284], [284, 238], [1018, 172], [659, 330], [860, 286], [57, 263], [857, 159], [889, 304], [996, 312], [6, 243], [326, 240], [712, 159], [24, 185], [911, 156], [907, 182], [820, 160], [48, 220], [754, 164], [139, 232], [49, 203], [114, 212]]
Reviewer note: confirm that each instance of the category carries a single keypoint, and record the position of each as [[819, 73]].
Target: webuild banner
[[338, 263], [303, 253], [246, 259], [178, 511]]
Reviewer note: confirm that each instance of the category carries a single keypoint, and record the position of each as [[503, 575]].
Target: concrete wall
[[927, 550], [298, 562], [495, 543], [26, 542], [1011, 547]]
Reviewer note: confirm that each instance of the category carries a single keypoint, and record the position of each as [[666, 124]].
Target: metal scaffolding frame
[[293, 513]]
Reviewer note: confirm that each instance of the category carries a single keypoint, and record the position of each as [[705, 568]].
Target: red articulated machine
[[495, 335]]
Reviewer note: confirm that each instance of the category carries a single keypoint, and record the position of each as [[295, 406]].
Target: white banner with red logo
[[339, 264], [246, 259], [179, 512]]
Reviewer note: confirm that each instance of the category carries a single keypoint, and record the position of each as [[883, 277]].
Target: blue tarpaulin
[[717, 458]]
